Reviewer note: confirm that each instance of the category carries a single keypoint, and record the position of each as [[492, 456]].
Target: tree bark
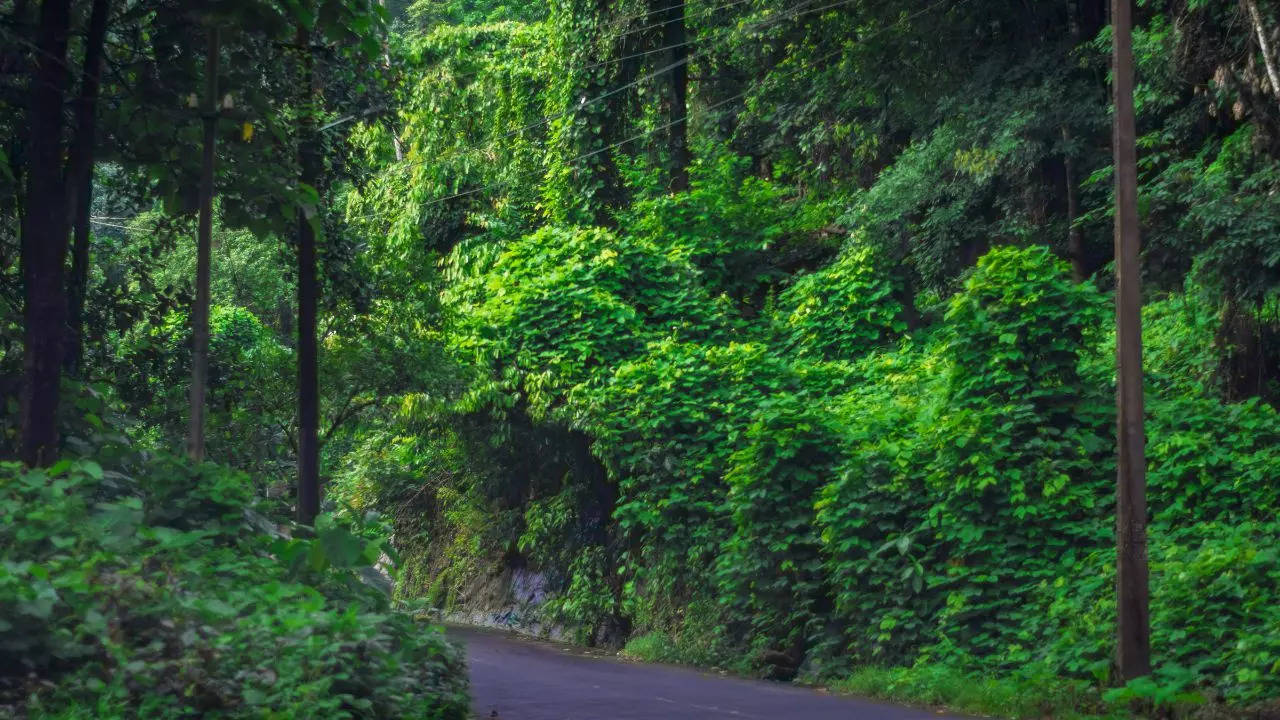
[[1075, 237], [80, 180], [44, 239], [674, 37], [1133, 647], [1264, 45], [204, 241], [308, 361]]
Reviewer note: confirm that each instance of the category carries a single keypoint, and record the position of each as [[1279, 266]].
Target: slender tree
[[1268, 61], [80, 178], [308, 362], [1133, 623], [44, 238], [1075, 236], [204, 241]]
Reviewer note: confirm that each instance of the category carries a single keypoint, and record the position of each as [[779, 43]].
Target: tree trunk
[[308, 362], [391, 128], [1075, 237], [1133, 630], [44, 239], [1264, 45], [673, 37], [204, 240], [80, 180]]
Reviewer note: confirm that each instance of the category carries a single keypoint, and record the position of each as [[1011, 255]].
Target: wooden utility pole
[[204, 240], [1133, 632], [308, 361]]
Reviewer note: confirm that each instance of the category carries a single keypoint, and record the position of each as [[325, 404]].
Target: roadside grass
[[1016, 698], [693, 649]]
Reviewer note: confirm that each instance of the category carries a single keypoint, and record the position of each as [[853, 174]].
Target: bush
[[149, 596], [770, 571], [1213, 612], [841, 311], [957, 500], [666, 425], [552, 309]]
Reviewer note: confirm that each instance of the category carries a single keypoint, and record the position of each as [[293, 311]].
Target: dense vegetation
[[760, 334]]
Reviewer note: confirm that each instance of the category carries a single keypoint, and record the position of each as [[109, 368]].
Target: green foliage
[[841, 311], [744, 233], [696, 641], [959, 482], [249, 388], [564, 303], [667, 425], [588, 599], [1016, 332], [1212, 613], [837, 402], [467, 118], [148, 594], [1021, 696], [1213, 462], [770, 571]]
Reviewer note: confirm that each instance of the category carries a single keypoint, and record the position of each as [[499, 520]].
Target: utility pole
[[204, 240], [1133, 631], [308, 362]]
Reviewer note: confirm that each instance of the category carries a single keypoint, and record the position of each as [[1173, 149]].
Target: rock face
[[510, 599], [380, 576], [780, 665]]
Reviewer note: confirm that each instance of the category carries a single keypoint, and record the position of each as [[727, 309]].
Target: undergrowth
[[155, 590]]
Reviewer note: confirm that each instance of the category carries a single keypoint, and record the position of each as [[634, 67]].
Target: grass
[[934, 685], [1024, 695], [1005, 696], [694, 649]]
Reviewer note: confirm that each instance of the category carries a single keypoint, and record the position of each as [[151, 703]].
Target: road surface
[[518, 679]]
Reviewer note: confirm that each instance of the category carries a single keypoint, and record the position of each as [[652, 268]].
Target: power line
[[704, 13], [664, 126], [707, 11], [651, 13], [110, 225], [546, 120]]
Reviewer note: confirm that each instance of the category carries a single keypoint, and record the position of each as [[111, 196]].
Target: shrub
[[666, 425], [1213, 612], [770, 571], [841, 311], [149, 596], [960, 504]]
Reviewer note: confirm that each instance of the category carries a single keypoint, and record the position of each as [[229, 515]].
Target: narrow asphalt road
[[517, 679]]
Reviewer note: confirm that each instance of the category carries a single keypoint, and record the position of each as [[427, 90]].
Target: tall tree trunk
[[1075, 236], [673, 37], [44, 239], [386, 62], [308, 361], [204, 242], [1133, 630], [80, 180], [1264, 45]]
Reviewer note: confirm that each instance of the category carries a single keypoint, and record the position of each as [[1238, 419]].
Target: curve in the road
[[517, 679]]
